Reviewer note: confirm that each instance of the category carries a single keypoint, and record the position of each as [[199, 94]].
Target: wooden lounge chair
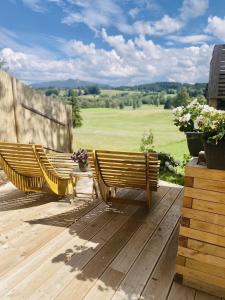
[[114, 169], [30, 169]]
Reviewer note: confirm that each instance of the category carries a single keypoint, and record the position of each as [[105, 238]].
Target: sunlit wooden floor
[[82, 249]]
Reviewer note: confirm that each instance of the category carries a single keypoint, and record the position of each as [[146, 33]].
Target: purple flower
[[80, 156]]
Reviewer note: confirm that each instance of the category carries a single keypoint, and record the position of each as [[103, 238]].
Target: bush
[[168, 104], [168, 164], [121, 105], [147, 142]]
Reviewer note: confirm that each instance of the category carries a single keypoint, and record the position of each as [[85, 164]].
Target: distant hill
[[69, 83], [160, 86], [148, 87]]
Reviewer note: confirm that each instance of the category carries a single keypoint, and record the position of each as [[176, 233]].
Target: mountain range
[[155, 86], [69, 83]]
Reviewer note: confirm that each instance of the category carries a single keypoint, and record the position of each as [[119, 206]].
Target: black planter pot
[[215, 155], [194, 142]]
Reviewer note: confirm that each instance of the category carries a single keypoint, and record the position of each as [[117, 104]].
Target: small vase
[[194, 142], [82, 166], [215, 155]]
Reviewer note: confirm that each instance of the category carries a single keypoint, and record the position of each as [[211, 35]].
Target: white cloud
[[193, 8], [164, 26], [41, 6], [95, 14], [134, 12], [35, 5], [128, 62], [190, 39], [216, 26]]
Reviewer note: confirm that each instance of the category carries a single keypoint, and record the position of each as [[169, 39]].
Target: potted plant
[[184, 119], [81, 157], [212, 124]]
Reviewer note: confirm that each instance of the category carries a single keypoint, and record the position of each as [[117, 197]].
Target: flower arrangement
[[80, 156], [211, 123], [185, 117]]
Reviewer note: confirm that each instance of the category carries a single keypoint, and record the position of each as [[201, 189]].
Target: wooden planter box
[[201, 252]]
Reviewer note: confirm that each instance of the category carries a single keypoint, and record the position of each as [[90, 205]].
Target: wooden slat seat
[[31, 169], [119, 169]]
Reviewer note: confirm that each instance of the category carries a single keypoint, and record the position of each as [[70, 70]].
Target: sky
[[115, 42]]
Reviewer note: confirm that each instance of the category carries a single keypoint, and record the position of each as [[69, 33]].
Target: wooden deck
[[83, 249]]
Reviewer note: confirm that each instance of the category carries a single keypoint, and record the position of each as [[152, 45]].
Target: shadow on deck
[[83, 249]]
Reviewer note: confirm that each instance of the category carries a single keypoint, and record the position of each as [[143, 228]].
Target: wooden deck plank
[[160, 282], [203, 296], [124, 260], [128, 192], [134, 285], [79, 286], [33, 262], [104, 251], [73, 256], [40, 271], [59, 264], [179, 292], [29, 241]]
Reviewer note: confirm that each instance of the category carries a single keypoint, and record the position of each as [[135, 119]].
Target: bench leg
[[149, 199]]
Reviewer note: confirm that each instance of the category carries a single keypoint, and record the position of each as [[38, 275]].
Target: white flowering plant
[[185, 116], [211, 123]]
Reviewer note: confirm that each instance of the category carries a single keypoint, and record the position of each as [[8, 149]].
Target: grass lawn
[[105, 128]]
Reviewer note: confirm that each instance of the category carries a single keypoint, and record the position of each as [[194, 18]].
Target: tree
[[79, 92], [93, 90], [107, 104], [72, 92], [52, 92], [121, 105], [162, 97], [168, 104], [182, 98], [76, 114]]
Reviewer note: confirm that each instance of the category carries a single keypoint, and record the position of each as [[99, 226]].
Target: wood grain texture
[[201, 251]]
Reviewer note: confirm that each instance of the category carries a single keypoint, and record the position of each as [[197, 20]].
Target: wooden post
[[15, 104]]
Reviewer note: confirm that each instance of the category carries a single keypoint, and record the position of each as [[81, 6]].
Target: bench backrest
[[125, 169], [21, 158]]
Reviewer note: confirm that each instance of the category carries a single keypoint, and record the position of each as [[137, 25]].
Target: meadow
[[122, 129]]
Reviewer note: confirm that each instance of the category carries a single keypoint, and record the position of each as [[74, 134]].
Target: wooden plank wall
[[7, 112], [30, 117], [201, 252], [216, 87]]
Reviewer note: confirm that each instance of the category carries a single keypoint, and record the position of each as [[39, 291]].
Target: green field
[[105, 128], [109, 93]]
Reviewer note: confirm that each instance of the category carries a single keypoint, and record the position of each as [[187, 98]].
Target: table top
[[77, 172]]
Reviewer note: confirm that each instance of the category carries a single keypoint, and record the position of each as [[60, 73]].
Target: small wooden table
[[76, 174], [201, 252]]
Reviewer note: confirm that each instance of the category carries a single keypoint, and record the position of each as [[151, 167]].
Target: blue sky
[[111, 41]]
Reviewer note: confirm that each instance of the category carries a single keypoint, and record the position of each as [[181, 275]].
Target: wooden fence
[[26, 116]]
